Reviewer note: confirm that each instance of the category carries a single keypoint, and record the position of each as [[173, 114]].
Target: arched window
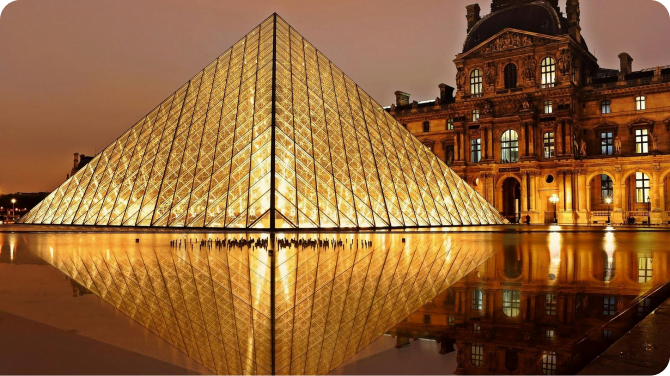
[[476, 82], [509, 147], [510, 76], [548, 72], [511, 303], [641, 187], [606, 188]]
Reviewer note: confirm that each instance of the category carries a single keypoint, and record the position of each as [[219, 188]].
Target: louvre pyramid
[[269, 135], [245, 311]]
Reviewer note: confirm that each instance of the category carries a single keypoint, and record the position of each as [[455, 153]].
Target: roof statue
[[269, 135]]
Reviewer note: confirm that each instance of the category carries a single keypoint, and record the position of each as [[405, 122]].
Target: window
[[476, 83], [643, 308], [477, 356], [549, 335], [606, 107], [548, 107], [641, 103], [426, 319], [476, 328], [549, 145], [644, 270], [606, 188], [548, 362], [510, 76], [476, 150], [450, 321], [548, 72], [550, 305], [642, 141], [609, 304], [450, 124], [606, 143], [607, 334], [509, 146], [426, 126], [475, 115], [477, 300], [641, 187], [511, 303]]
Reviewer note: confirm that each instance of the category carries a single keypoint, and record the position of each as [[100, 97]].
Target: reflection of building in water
[[526, 310]]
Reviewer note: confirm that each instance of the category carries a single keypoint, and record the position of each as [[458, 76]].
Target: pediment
[[511, 39], [641, 122]]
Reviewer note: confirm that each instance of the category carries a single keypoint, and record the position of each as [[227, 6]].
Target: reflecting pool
[[301, 303]]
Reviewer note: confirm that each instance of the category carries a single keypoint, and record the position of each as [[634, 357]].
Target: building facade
[[532, 311], [533, 115]]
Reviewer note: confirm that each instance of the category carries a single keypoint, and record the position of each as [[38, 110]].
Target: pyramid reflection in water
[[216, 304], [269, 135]]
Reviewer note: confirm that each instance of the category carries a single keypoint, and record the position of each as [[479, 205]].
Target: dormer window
[[476, 82]]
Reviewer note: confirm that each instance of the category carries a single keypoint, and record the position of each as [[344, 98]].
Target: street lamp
[[608, 201], [648, 210], [554, 200], [13, 210]]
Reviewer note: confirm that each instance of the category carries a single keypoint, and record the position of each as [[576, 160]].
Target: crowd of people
[[263, 243]]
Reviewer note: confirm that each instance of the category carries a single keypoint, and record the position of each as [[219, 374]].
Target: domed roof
[[537, 17]]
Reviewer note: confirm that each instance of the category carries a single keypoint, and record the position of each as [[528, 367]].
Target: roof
[[537, 17]]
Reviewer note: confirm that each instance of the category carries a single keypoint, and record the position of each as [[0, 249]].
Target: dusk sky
[[75, 74]]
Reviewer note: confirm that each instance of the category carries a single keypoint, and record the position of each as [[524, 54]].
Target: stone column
[[581, 192], [656, 201], [531, 140], [485, 150], [558, 137], [561, 191], [524, 193], [523, 150], [490, 145], [457, 149], [619, 210]]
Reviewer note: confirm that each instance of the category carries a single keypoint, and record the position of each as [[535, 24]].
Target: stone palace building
[[534, 115]]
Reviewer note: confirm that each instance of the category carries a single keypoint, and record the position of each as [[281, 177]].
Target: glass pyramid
[[269, 135], [244, 310]]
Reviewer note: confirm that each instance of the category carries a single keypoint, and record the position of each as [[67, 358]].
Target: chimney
[[446, 93], [572, 10], [625, 63], [76, 160], [472, 15], [401, 98]]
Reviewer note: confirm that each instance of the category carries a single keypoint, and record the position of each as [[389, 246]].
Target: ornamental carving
[[530, 68], [508, 41], [565, 62], [490, 73], [460, 79], [509, 106]]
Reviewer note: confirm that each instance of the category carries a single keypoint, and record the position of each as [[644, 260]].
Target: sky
[[75, 74]]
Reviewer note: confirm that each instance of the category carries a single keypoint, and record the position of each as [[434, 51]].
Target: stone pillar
[[531, 140], [566, 217], [523, 150], [561, 191], [656, 201], [524, 193], [534, 215], [485, 150], [581, 192], [457, 148], [619, 197], [558, 137], [490, 145]]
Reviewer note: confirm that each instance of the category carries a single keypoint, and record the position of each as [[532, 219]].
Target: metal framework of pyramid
[[269, 135]]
